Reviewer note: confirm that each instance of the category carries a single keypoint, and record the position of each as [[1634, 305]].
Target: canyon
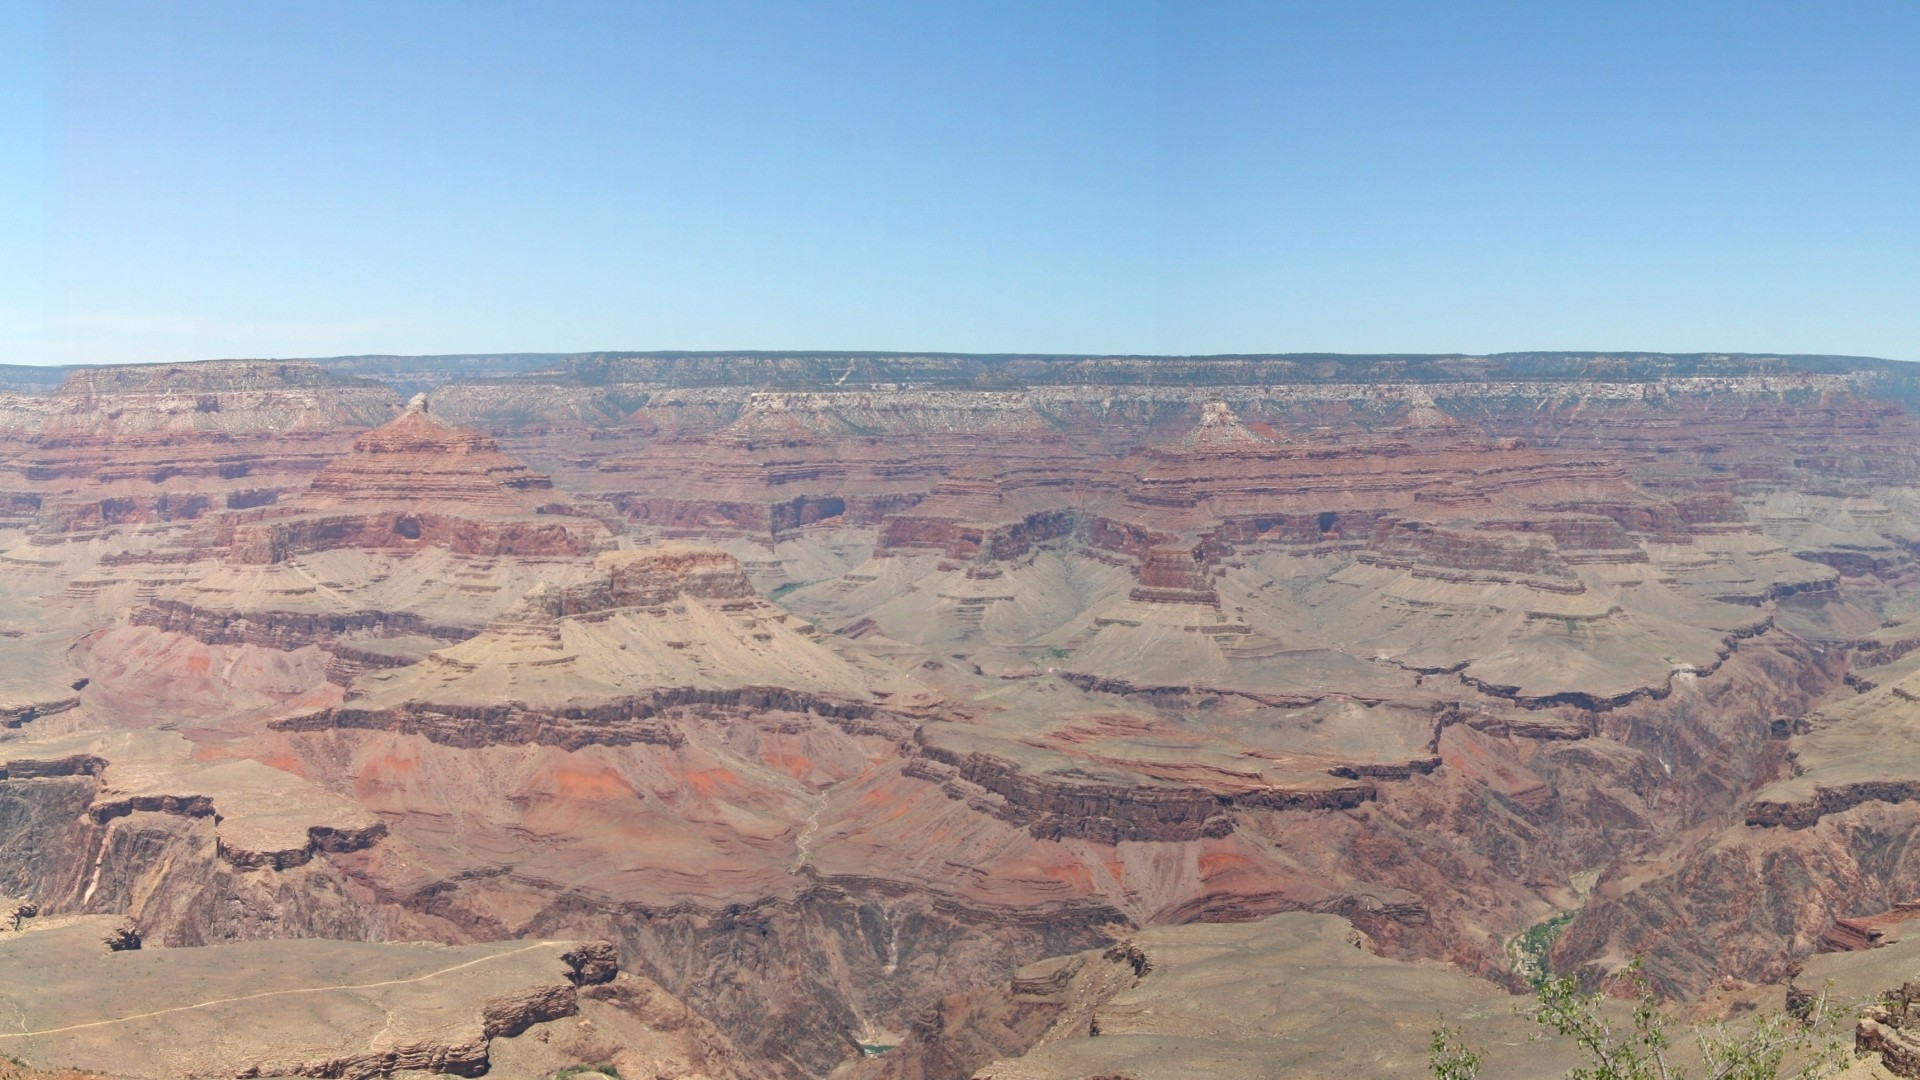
[[937, 716]]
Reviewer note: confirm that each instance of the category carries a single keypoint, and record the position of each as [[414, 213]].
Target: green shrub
[[1450, 1058], [1776, 1046]]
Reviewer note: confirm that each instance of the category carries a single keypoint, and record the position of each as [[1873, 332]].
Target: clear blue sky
[[286, 179]]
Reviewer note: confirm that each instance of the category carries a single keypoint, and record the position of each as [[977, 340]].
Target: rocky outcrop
[[34, 768], [272, 542], [833, 961], [285, 629], [616, 724], [965, 540], [959, 1033], [1055, 807], [257, 820], [14, 714], [653, 717], [1890, 1027], [174, 874], [1160, 1002], [320, 838], [1114, 808], [365, 1010], [1174, 576], [645, 579], [1453, 555], [1770, 813]]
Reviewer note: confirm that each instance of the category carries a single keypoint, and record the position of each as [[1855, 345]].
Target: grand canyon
[[932, 717]]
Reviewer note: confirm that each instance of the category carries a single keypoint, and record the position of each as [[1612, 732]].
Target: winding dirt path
[[275, 993]]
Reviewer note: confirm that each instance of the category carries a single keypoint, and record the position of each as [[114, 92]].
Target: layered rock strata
[[988, 660], [417, 483], [156, 444]]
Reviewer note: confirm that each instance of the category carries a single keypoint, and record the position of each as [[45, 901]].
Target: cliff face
[[173, 442], [833, 690]]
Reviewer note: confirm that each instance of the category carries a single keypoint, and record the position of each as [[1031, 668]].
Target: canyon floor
[[925, 716]]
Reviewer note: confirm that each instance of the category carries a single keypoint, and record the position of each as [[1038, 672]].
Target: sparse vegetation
[[1806, 1045], [587, 1072], [1639, 1053], [1451, 1058], [1530, 949], [1764, 1048]]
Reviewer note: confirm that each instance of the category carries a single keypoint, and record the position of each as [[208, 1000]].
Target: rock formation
[[312, 1007], [416, 483], [835, 690], [157, 444], [1230, 999], [608, 659]]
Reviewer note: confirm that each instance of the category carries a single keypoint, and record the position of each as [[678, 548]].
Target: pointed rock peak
[[771, 416], [1220, 429], [415, 431], [416, 483], [1424, 413], [415, 457]]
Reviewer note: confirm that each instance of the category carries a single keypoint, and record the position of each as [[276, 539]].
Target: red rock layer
[[417, 483], [174, 442]]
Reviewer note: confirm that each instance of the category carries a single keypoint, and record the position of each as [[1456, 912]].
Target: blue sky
[[193, 180]]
